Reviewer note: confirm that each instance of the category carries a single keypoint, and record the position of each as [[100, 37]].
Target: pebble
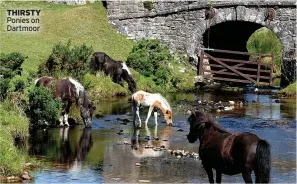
[[144, 181], [127, 142], [183, 153], [13, 179], [29, 164], [138, 164]]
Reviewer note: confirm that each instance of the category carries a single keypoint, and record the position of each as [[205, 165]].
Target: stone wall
[[181, 24]]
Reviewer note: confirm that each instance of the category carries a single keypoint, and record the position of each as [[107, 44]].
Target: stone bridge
[[186, 26]]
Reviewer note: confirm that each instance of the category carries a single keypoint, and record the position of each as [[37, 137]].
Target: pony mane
[[78, 86], [36, 80], [125, 67], [164, 102], [208, 121]]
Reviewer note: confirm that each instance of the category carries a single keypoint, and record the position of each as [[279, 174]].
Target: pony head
[[168, 117], [86, 112], [132, 85], [197, 121], [86, 108]]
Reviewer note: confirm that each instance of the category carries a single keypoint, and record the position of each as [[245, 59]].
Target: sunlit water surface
[[96, 155]]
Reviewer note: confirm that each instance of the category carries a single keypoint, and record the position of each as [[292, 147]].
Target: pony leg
[[67, 109], [147, 131], [156, 131], [209, 173], [149, 114], [218, 177], [66, 132], [66, 119], [61, 121], [156, 117], [247, 177], [137, 112]]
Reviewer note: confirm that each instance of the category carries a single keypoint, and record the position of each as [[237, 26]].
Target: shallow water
[[84, 155]]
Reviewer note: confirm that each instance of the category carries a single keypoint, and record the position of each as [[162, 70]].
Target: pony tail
[[263, 162]]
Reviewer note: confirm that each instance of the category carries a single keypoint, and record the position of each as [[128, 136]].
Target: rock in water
[[138, 164]]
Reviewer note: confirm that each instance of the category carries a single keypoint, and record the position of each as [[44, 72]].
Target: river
[[102, 154]]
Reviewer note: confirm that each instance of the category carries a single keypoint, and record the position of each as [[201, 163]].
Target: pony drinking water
[[154, 101], [229, 153], [70, 91]]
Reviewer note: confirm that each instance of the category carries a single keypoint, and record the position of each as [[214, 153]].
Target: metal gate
[[234, 70]]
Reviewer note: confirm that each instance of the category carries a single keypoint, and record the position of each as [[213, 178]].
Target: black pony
[[116, 69], [229, 153]]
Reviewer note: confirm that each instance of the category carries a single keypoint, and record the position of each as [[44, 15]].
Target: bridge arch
[[181, 24]]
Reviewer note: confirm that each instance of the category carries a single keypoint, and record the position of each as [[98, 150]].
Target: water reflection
[[98, 155], [63, 148], [144, 145]]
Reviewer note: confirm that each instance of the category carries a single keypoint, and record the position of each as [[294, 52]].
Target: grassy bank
[[290, 90], [81, 24], [13, 125], [59, 23]]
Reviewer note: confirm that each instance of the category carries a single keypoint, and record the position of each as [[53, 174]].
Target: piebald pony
[[153, 100]]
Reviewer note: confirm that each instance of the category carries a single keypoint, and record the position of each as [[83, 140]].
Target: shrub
[[162, 76], [4, 85], [10, 67], [155, 62], [149, 5], [11, 64], [147, 56], [13, 126], [265, 41], [67, 60], [43, 109], [19, 85]]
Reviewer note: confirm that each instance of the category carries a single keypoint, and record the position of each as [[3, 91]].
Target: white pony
[[153, 100]]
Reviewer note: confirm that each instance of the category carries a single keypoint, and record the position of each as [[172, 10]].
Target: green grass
[[291, 89], [264, 41], [13, 124], [81, 24]]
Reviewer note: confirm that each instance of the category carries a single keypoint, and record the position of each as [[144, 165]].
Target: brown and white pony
[[117, 70], [154, 101], [70, 91]]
